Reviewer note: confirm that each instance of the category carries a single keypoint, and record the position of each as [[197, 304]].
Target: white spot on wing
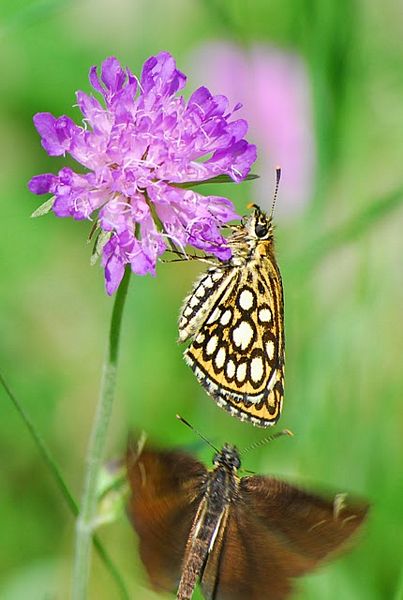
[[183, 336], [220, 358], [212, 345], [265, 315], [217, 275], [241, 372], [270, 349], [194, 301], [230, 368], [215, 315], [256, 369], [226, 317], [208, 281], [246, 299], [242, 335], [201, 291]]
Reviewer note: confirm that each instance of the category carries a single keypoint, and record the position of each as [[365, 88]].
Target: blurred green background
[[340, 254]]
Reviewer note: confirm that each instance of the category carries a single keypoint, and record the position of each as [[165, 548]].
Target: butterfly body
[[234, 318], [240, 537], [209, 524]]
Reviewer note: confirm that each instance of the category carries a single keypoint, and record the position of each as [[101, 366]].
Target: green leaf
[[112, 477], [44, 208], [218, 179], [112, 491], [102, 238]]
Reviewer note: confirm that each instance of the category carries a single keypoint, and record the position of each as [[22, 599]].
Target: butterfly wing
[[166, 490], [251, 565], [277, 532], [238, 351], [207, 291], [313, 525]]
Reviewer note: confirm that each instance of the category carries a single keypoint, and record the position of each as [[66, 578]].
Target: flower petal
[[112, 74], [42, 184], [204, 234], [56, 134], [161, 76], [113, 262], [93, 112], [235, 161]]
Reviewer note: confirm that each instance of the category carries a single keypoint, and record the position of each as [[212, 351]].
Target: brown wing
[[166, 489], [238, 352], [312, 525], [277, 532]]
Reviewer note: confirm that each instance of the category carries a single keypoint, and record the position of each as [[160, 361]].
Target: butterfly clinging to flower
[[234, 319]]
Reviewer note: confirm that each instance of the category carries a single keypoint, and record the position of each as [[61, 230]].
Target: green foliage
[[341, 265]]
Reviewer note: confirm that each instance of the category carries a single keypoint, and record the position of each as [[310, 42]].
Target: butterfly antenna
[[278, 177], [201, 436], [267, 439]]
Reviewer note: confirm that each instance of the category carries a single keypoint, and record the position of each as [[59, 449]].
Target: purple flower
[[275, 90], [139, 147]]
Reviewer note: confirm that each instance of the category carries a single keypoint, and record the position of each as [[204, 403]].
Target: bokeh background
[[322, 85]]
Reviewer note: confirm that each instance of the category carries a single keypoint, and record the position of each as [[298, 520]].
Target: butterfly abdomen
[[207, 528]]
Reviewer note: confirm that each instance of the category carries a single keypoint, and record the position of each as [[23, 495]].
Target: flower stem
[[54, 469], [86, 518]]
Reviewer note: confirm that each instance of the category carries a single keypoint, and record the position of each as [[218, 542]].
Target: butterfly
[[242, 538], [234, 317]]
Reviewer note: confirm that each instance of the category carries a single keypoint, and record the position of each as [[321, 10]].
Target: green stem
[[95, 453], [61, 484]]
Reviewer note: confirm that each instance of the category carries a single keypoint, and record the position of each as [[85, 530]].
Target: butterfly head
[[258, 225], [228, 457]]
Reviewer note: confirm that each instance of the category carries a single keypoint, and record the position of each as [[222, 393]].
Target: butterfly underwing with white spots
[[242, 538], [234, 319]]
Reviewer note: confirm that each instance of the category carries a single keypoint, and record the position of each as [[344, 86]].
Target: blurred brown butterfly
[[242, 538]]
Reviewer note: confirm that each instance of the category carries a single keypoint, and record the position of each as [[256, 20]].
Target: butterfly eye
[[261, 230]]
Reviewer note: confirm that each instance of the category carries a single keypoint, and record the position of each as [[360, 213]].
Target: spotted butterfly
[[234, 317]]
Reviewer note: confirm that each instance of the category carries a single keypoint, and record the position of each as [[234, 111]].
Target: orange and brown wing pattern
[[238, 352]]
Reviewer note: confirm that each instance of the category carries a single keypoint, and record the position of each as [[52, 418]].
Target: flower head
[[139, 146]]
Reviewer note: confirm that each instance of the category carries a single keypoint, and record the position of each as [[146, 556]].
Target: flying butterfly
[[234, 317], [240, 537]]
